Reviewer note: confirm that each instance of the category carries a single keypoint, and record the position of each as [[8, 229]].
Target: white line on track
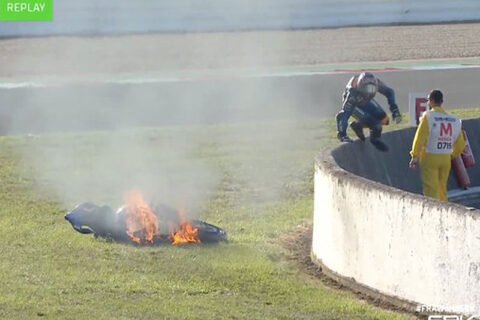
[[211, 76]]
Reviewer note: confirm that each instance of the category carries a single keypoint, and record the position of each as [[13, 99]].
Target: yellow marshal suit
[[438, 139]]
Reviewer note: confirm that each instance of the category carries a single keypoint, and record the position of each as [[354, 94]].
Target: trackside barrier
[[374, 230], [125, 16]]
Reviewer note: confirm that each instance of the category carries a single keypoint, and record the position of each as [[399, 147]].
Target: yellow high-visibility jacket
[[438, 133]]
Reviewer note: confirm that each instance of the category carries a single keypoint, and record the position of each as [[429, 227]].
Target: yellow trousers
[[435, 170]]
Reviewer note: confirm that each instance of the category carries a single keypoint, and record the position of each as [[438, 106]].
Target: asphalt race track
[[207, 101]]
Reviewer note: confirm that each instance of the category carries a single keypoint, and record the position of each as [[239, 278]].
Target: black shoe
[[379, 145], [358, 129], [344, 138]]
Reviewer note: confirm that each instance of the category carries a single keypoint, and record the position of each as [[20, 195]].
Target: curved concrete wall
[[372, 228], [391, 168]]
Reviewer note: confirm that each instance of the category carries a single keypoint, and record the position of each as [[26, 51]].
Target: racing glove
[[396, 115]]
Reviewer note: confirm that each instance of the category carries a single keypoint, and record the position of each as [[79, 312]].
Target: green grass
[[262, 188]]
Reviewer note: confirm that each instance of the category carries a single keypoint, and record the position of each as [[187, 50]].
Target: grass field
[[263, 189]]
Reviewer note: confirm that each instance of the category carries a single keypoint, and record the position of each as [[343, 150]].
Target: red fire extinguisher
[[467, 154], [461, 174], [460, 163]]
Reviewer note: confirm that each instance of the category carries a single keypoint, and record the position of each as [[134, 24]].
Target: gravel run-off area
[[158, 53]]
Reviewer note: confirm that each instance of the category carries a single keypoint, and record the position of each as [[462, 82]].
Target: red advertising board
[[417, 105]]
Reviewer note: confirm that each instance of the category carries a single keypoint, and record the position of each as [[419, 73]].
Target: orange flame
[[142, 223], [186, 233], [143, 226]]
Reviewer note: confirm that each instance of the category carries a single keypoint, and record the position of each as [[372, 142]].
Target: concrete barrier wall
[[126, 16], [393, 241], [391, 168]]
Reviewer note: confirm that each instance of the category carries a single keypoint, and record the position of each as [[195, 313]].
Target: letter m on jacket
[[445, 129]]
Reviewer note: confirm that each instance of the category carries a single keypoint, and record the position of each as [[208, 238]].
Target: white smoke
[[198, 79]]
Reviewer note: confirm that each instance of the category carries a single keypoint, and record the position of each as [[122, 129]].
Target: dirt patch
[[298, 244]]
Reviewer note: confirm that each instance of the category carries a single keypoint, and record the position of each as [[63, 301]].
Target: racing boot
[[379, 144], [358, 129], [343, 137], [375, 134]]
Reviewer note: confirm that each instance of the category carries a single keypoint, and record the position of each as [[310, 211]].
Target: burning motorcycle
[[141, 224]]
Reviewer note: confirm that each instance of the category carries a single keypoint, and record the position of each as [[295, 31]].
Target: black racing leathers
[[364, 108]]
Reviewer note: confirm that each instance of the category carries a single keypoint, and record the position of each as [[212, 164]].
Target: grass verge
[[262, 190]]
